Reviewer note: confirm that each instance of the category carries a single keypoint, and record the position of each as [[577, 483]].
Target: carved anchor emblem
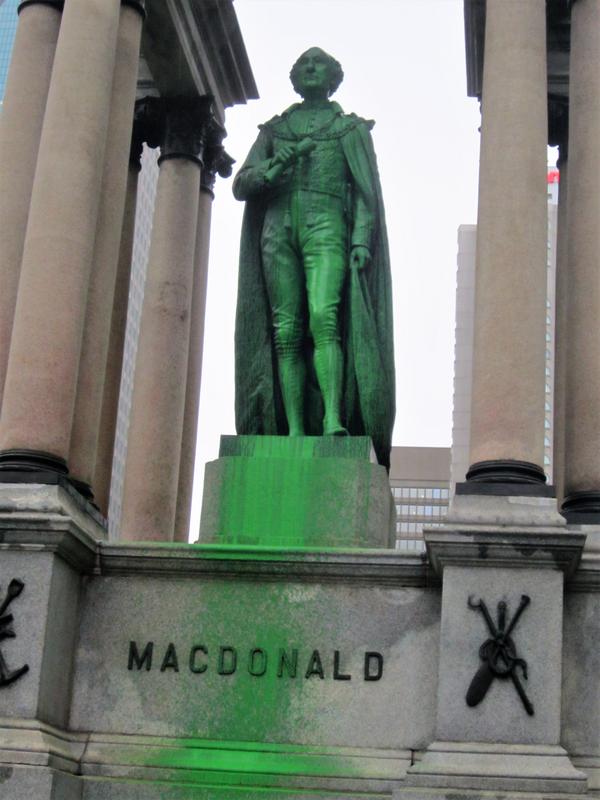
[[7, 676], [499, 654]]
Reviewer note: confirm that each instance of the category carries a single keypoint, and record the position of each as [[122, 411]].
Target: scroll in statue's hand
[[360, 257], [286, 156]]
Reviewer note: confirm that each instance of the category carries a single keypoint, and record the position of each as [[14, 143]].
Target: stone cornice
[[501, 548], [384, 567]]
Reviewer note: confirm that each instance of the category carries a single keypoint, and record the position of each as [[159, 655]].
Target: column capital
[[558, 125], [216, 162], [57, 4], [137, 140], [180, 126], [137, 5]]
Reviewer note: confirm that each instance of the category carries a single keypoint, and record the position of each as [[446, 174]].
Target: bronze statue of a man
[[314, 343]]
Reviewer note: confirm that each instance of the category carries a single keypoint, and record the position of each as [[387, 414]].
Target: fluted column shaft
[[114, 360], [21, 121], [41, 379], [154, 442], [560, 328], [194, 372], [216, 161], [582, 424], [508, 371], [92, 370]]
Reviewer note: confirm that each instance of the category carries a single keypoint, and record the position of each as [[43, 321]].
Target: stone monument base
[[311, 491], [497, 767], [216, 672]]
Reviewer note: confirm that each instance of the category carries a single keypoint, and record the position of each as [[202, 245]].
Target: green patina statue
[[314, 340]]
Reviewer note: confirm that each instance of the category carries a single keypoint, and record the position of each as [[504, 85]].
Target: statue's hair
[[336, 73]]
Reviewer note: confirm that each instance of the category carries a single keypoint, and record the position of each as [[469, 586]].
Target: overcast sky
[[404, 67]]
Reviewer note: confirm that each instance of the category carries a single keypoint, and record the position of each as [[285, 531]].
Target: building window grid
[[418, 507], [8, 28]]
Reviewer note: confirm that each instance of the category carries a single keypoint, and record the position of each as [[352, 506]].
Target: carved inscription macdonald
[[256, 662]]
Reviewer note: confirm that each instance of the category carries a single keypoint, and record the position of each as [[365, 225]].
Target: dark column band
[[57, 4], [582, 507], [84, 489], [18, 460], [138, 5], [180, 157], [506, 471]]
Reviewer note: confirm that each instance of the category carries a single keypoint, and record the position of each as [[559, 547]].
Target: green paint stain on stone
[[311, 491]]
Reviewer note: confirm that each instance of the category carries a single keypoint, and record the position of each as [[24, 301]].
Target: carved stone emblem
[[499, 654], [8, 676]]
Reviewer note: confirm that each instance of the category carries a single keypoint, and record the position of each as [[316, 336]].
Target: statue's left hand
[[360, 257]]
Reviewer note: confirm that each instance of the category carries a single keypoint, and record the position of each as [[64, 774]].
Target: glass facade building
[[420, 483], [8, 28]]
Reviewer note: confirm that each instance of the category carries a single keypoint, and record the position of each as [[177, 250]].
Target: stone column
[[41, 379], [92, 369], [215, 161], [507, 444], [582, 419], [118, 324], [560, 136], [20, 129], [154, 444]]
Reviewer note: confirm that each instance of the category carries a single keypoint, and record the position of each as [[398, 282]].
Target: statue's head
[[316, 72]]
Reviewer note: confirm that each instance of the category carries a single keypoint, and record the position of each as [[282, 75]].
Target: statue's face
[[312, 73]]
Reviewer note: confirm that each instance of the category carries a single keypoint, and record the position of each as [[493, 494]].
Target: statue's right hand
[[285, 156]]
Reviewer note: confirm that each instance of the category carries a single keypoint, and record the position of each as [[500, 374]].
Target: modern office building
[[8, 28], [139, 261], [420, 482], [463, 344]]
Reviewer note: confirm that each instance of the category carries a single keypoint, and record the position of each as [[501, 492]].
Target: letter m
[[135, 660]]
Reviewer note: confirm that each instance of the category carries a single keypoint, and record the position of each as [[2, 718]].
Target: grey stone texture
[[291, 612], [581, 682], [118, 790], [496, 744], [498, 767], [46, 627], [500, 717], [82, 721], [38, 783]]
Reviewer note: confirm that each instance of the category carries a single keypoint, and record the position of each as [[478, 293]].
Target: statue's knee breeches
[[288, 333], [324, 325]]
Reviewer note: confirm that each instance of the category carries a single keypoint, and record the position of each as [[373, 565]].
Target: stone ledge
[[67, 542], [541, 549], [34, 743], [61, 536], [359, 565], [198, 762], [498, 766], [37, 503]]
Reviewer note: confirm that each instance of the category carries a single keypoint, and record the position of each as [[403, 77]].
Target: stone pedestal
[[171, 671], [503, 562], [311, 491]]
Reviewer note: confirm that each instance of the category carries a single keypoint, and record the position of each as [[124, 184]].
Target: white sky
[[404, 66]]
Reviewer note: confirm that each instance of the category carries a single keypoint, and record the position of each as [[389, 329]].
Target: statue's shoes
[[336, 430]]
